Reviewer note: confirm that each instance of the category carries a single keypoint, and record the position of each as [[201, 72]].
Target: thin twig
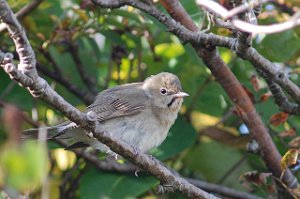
[[86, 79], [86, 97], [67, 178], [110, 165], [232, 169], [234, 90], [227, 14], [246, 26], [224, 191], [8, 89], [267, 29], [51, 61]]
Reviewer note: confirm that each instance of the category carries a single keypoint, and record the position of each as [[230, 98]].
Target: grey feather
[[137, 113], [113, 103]]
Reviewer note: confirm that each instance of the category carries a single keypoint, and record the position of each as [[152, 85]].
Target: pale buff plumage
[[140, 114]]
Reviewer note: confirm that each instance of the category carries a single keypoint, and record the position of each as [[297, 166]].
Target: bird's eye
[[163, 91]]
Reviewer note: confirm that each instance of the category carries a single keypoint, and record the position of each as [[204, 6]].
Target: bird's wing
[[118, 102]]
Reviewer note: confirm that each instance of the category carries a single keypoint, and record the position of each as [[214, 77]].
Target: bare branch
[[225, 191], [199, 38], [248, 26], [227, 14], [212, 59], [86, 79], [279, 96], [86, 97], [267, 29]]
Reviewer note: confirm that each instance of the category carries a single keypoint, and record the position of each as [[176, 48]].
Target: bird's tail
[[47, 133], [38, 133], [67, 133]]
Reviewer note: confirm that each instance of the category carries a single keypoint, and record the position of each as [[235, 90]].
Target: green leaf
[[169, 50], [14, 93], [97, 184], [89, 55], [280, 47], [212, 160], [182, 135]]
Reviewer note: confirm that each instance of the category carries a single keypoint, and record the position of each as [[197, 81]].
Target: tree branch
[[242, 102], [86, 97], [225, 77], [199, 38], [86, 79], [249, 27], [24, 11], [228, 14]]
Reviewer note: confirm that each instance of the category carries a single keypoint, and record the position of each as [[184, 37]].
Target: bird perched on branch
[[140, 114]]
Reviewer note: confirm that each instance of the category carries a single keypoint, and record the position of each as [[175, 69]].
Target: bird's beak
[[180, 95]]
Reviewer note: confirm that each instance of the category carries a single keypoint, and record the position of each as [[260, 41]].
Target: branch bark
[[24, 11], [239, 97], [223, 75]]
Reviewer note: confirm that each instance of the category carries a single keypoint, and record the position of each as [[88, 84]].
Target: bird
[[139, 113]]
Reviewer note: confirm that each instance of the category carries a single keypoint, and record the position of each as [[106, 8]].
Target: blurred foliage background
[[113, 47]]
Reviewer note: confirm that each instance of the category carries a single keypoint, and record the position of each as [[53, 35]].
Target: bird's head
[[165, 90]]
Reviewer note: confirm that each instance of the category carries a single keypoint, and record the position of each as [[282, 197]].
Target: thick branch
[[248, 114], [279, 96], [248, 26], [242, 102], [202, 39]]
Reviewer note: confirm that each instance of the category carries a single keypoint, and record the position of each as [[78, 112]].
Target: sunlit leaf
[[169, 50], [290, 158], [82, 15]]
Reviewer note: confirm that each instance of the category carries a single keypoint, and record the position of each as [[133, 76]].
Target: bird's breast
[[143, 130]]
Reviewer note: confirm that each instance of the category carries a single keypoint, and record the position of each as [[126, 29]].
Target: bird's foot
[[90, 134], [165, 188], [116, 156], [136, 150], [112, 154], [152, 157], [136, 172]]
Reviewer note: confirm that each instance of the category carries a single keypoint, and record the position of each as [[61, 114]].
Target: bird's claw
[[90, 134], [152, 157], [136, 172], [164, 188], [136, 150]]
